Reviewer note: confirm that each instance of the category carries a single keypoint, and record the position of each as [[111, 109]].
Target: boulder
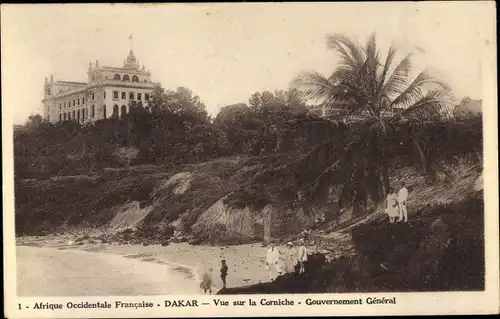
[[236, 222]]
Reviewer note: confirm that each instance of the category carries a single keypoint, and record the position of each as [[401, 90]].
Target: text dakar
[[181, 303]]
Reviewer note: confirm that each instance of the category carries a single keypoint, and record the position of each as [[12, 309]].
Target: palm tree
[[366, 90]]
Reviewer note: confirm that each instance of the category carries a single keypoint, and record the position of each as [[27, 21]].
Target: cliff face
[[215, 202], [197, 199]]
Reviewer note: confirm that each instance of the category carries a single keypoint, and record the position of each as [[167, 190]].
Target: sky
[[225, 52]]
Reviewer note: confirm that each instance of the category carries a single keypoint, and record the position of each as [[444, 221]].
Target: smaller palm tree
[[378, 100]]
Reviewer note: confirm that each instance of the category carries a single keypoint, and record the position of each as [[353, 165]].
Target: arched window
[[104, 111], [115, 110], [83, 115], [126, 78], [78, 115], [92, 114], [124, 110], [135, 78], [117, 77], [73, 117]]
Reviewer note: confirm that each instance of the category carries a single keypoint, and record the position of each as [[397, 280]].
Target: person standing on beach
[[289, 259], [302, 257], [206, 282], [402, 198], [272, 260], [223, 273]]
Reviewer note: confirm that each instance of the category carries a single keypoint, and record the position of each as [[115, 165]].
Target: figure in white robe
[[392, 209], [402, 199], [273, 262]]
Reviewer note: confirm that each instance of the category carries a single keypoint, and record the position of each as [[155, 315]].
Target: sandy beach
[[246, 262]]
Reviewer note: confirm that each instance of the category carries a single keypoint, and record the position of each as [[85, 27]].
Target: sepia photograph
[[207, 150]]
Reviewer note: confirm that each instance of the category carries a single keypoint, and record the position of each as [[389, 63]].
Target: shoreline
[[191, 261], [53, 271]]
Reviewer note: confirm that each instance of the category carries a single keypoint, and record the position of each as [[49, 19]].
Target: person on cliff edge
[[402, 199]]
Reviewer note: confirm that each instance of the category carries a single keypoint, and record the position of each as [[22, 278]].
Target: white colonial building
[[108, 93]]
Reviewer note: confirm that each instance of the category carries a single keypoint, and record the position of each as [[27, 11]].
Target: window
[[115, 94], [73, 117], [60, 106], [93, 97], [126, 78], [124, 95], [83, 115], [124, 110], [146, 96], [73, 102], [83, 100], [104, 94], [92, 114], [60, 117], [78, 101], [78, 116], [115, 110], [139, 96], [135, 78], [104, 111], [64, 117], [117, 77], [131, 95], [64, 104]]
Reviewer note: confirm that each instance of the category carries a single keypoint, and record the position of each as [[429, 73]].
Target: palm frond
[[414, 91], [431, 107], [343, 75], [398, 80], [314, 85], [382, 78], [353, 56]]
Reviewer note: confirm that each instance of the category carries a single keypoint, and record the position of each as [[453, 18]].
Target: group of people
[[279, 263], [206, 281], [396, 204]]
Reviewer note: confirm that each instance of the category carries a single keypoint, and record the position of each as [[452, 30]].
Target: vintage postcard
[[268, 159]]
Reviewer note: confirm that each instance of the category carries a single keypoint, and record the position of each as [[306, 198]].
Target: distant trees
[[256, 128]]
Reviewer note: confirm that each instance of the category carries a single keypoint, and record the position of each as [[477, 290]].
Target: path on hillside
[[53, 272]]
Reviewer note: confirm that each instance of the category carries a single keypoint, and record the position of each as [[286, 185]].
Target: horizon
[[233, 50]]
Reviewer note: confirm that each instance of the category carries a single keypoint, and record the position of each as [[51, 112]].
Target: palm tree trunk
[[385, 176]]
